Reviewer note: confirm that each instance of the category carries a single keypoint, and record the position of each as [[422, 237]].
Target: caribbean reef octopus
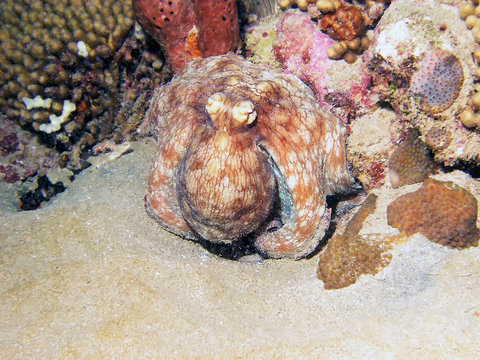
[[244, 151]]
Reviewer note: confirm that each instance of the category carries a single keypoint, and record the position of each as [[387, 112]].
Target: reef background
[[91, 275]]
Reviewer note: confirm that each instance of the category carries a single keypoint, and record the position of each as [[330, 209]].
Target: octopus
[[244, 151]]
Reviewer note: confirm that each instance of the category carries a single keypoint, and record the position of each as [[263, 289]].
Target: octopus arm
[[173, 138], [302, 207]]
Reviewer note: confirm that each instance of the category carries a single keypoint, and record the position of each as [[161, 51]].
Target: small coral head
[[411, 161], [346, 23], [438, 80]]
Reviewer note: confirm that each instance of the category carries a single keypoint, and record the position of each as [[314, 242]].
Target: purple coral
[[438, 80]]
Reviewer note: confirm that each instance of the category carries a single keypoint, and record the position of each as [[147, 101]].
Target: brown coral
[[411, 162], [347, 23], [438, 80], [442, 211], [348, 256], [80, 54]]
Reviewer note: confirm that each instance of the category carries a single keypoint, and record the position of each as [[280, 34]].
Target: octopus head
[[225, 186]]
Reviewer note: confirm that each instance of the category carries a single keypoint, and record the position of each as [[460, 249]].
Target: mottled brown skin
[[290, 151]]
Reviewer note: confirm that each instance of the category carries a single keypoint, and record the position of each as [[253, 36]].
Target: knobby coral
[[190, 29], [442, 211], [242, 150]]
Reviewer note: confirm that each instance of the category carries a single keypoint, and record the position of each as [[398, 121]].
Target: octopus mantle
[[244, 151]]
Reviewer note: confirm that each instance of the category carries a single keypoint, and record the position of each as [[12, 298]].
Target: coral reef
[[442, 211], [470, 11], [411, 161], [190, 29], [242, 149], [420, 61], [343, 22], [65, 68], [348, 256], [45, 42]]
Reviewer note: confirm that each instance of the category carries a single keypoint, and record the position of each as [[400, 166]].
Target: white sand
[[91, 275]]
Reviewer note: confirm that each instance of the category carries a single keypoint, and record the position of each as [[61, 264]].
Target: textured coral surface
[[421, 63], [190, 29], [346, 23], [235, 140], [348, 256], [442, 211], [302, 50], [438, 81], [60, 55], [411, 161], [43, 40]]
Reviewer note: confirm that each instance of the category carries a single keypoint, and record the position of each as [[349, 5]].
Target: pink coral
[[302, 50], [190, 29]]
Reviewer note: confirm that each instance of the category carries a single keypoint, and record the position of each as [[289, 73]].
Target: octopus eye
[[244, 112], [215, 103]]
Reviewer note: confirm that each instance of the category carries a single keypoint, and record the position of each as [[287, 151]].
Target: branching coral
[[442, 211], [64, 68], [190, 29]]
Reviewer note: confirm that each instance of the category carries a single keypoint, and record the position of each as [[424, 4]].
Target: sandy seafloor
[[92, 276]]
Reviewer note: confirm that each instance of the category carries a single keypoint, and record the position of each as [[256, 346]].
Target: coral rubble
[[21, 154], [190, 29], [442, 211], [244, 150]]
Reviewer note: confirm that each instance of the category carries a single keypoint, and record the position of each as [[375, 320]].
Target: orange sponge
[[442, 211]]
